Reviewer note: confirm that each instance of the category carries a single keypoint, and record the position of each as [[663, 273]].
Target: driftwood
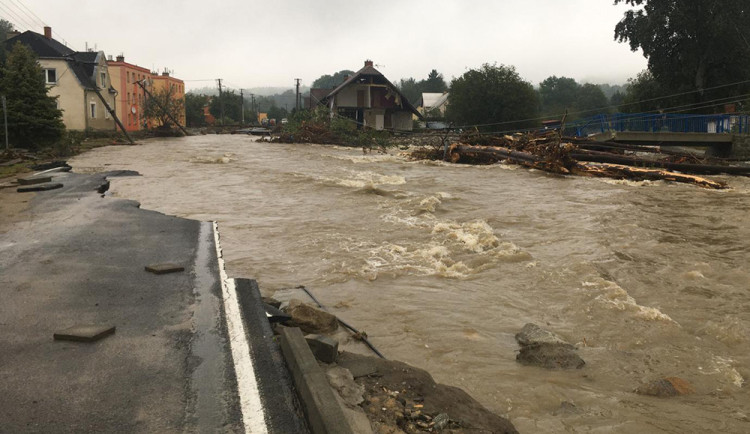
[[569, 165]]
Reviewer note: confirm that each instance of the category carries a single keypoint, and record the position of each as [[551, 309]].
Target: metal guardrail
[[666, 123]]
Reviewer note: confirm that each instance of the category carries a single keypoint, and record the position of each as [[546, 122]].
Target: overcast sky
[[251, 43]]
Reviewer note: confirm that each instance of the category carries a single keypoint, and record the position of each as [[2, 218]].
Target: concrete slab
[[40, 187], [31, 180], [165, 268], [84, 333]]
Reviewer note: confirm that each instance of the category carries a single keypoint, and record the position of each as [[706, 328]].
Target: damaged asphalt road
[[78, 259]]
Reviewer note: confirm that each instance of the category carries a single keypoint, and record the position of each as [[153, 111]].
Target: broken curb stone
[[323, 348], [545, 349], [310, 319], [84, 333], [164, 268]]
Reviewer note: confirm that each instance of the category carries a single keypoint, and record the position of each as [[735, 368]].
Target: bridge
[[719, 131]]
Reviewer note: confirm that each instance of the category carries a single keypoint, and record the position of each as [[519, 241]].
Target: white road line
[[253, 415]]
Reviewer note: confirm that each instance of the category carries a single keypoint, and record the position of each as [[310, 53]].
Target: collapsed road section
[[76, 264]]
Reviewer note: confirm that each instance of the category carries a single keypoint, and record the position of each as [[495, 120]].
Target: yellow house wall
[[75, 101], [69, 94]]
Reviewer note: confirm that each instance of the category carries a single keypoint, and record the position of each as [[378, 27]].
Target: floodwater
[[442, 264]]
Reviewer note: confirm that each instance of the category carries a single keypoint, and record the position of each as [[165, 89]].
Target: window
[[50, 76], [92, 110], [104, 79], [127, 75]]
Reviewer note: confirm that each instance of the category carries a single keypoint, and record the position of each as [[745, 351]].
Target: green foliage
[[561, 94], [644, 94], [413, 89], [493, 95], [194, 104], [691, 46], [233, 106], [161, 104], [331, 81], [34, 121], [317, 126]]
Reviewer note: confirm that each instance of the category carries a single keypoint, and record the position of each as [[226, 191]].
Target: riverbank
[[459, 258], [65, 236]]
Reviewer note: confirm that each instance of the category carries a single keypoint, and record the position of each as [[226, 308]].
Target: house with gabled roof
[[369, 99], [73, 77]]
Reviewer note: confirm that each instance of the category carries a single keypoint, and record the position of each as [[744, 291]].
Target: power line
[[37, 21], [599, 109], [18, 20]]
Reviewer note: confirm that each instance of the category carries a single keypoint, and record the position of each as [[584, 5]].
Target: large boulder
[[310, 319], [540, 347]]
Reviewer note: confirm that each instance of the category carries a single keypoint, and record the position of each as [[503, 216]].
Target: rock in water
[[532, 334], [550, 356], [310, 319], [666, 387], [545, 349]]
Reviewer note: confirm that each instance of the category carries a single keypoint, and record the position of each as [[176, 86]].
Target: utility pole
[[5, 121], [242, 108], [252, 107], [296, 102], [221, 102]]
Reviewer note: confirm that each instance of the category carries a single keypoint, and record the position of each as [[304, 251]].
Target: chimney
[[48, 32], [368, 62], [120, 58]]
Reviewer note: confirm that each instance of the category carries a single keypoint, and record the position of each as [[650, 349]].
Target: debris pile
[[551, 152]]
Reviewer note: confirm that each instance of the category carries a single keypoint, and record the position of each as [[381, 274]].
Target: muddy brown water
[[442, 264]]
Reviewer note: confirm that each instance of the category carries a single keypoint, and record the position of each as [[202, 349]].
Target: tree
[[161, 104], [558, 94], [34, 120], [493, 95], [645, 94], [5, 28], [411, 90], [590, 100], [232, 105], [194, 104], [434, 83], [691, 46], [331, 81]]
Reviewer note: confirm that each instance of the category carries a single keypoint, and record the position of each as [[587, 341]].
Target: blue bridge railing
[[655, 123]]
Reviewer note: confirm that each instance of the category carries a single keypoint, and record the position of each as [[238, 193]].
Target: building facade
[[76, 78], [130, 96], [369, 99], [164, 81]]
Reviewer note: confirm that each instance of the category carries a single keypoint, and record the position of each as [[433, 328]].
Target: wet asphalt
[[79, 258]]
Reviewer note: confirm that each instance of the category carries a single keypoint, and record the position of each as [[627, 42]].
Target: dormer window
[[50, 76]]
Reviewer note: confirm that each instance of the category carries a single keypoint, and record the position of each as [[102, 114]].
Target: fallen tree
[[548, 151]]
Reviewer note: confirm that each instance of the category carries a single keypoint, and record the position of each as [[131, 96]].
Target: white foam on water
[[477, 236], [613, 296], [224, 159], [362, 180], [724, 368]]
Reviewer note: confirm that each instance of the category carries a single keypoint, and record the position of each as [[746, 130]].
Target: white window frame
[[103, 76], [46, 75], [92, 110]]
